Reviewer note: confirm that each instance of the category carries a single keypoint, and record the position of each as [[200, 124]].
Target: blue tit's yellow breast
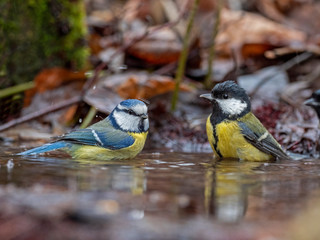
[[101, 153], [230, 142]]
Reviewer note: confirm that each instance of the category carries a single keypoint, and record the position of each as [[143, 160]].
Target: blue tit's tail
[[45, 148]]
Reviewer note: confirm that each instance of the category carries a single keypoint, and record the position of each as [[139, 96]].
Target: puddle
[[172, 187]]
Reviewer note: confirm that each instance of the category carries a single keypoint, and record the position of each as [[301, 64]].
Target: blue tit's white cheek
[[126, 121], [146, 124], [232, 106], [140, 109]]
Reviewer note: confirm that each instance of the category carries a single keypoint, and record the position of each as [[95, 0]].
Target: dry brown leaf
[[143, 9], [129, 89], [295, 13], [140, 84], [54, 77], [160, 47], [254, 49], [118, 87], [68, 116], [95, 43], [146, 87], [49, 79], [239, 28]]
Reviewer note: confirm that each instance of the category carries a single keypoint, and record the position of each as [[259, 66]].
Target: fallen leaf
[[54, 77], [255, 49], [293, 13], [144, 9], [145, 86], [68, 116], [138, 84], [102, 98], [160, 47], [95, 43], [239, 29]]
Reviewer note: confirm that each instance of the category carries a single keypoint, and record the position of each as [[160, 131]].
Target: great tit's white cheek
[[126, 121], [232, 106]]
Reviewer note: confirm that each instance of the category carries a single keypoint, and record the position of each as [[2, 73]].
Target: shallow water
[[169, 185]]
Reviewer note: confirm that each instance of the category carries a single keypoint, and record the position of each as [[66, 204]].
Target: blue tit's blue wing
[[102, 134], [256, 134], [46, 148]]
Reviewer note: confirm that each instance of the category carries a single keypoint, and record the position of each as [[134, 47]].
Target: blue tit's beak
[[207, 96], [144, 116], [311, 102]]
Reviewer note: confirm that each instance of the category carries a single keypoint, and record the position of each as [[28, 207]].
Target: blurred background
[[66, 64]]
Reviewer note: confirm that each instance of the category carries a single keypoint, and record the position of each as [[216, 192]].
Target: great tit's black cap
[[229, 89]]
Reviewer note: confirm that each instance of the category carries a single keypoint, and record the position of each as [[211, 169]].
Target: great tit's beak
[[144, 116], [311, 102], [207, 96]]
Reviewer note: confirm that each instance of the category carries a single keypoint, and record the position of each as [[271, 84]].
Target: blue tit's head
[[130, 115], [229, 100]]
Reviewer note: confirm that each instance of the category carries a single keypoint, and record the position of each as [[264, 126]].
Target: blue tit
[[233, 131], [314, 102], [121, 135]]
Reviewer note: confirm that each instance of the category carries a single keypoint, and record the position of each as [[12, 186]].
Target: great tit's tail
[[45, 148]]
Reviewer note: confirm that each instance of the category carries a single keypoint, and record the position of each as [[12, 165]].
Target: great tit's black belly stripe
[[215, 145], [214, 121]]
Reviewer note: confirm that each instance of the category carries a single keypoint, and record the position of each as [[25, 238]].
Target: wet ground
[[158, 195]]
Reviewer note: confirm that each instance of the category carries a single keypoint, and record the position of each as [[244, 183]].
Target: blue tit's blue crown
[[129, 103]]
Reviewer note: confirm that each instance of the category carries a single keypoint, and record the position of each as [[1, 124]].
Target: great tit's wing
[[256, 134], [103, 136]]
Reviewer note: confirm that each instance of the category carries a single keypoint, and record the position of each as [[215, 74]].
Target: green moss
[[37, 34]]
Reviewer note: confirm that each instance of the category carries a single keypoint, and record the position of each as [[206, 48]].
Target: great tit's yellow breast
[[232, 144], [101, 153]]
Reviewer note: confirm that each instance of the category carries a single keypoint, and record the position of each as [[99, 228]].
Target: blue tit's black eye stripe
[[130, 112]]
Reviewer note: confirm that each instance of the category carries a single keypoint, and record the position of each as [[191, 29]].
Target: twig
[[90, 115], [286, 66], [212, 52], [183, 55], [16, 89], [40, 113]]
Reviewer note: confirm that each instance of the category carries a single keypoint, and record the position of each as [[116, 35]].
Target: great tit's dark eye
[[225, 96]]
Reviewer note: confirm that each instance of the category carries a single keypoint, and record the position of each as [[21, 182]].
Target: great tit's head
[[229, 99], [131, 115], [314, 102]]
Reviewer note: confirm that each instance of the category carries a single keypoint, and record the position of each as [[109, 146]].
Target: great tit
[[233, 131], [121, 135], [314, 102]]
